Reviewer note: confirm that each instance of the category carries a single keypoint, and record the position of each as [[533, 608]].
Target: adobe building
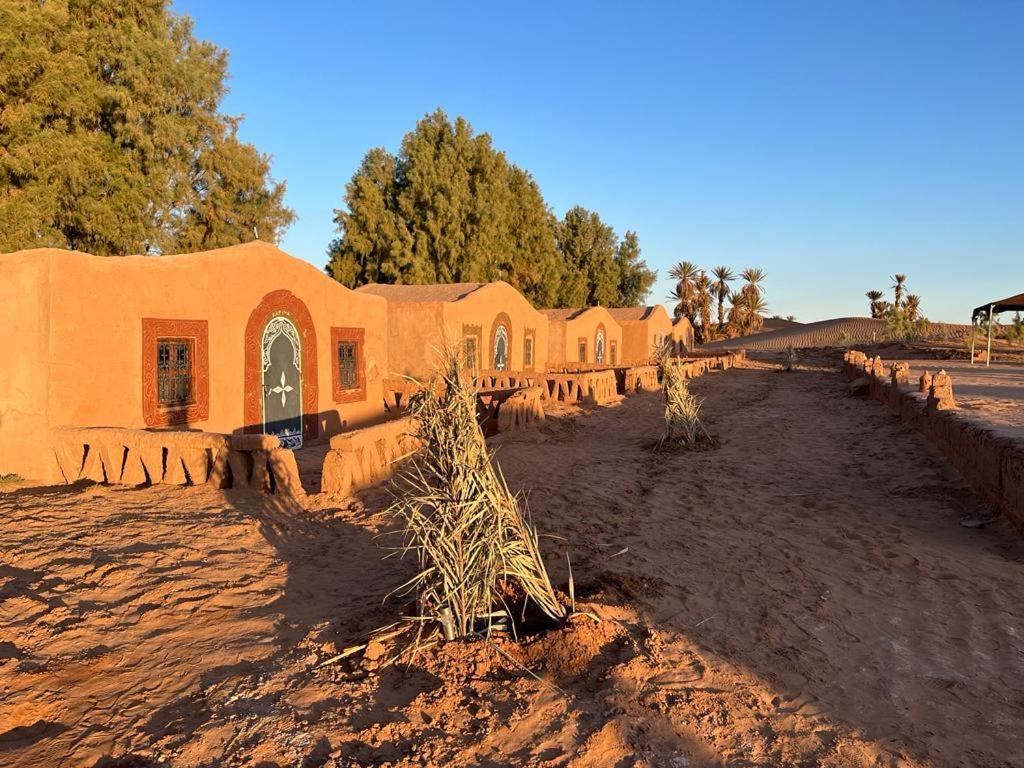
[[584, 335], [241, 339], [492, 324], [644, 330], [682, 336]]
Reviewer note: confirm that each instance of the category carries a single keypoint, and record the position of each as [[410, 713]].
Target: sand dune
[[840, 331], [779, 324]]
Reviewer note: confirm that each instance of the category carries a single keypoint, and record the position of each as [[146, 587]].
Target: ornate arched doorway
[[501, 343], [281, 370], [281, 361]]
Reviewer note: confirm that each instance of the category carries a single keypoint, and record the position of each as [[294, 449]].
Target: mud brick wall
[[508, 410], [365, 457], [144, 457], [593, 387], [991, 462]]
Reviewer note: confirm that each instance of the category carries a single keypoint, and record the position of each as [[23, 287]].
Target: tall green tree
[[635, 279], [587, 245], [449, 207], [110, 136]]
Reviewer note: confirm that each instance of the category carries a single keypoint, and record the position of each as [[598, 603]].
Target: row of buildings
[[250, 339]]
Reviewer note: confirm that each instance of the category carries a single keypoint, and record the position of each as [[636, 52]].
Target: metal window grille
[[528, 352], [348, 371], [469, 345], [174, 372], [583, 351]]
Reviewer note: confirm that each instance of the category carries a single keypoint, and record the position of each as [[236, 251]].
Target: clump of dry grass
[[683, 425], [477, 554], [791, 360]]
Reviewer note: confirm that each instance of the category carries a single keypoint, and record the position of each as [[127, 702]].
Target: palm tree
[[899, 284], [685, 273], [912, 306], [679, 303], [875, 297], [756, 308], [723, 276], [754, 277], [703, 302]]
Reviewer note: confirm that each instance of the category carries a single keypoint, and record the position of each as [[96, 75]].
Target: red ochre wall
[[639, 337], [564, 337], [682, 335], [73, 342], [418, 331]]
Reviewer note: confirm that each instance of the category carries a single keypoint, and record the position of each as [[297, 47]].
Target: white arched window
[[501, 348]]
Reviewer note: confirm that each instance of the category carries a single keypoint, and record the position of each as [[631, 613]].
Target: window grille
[[174, 371], [348, 369]]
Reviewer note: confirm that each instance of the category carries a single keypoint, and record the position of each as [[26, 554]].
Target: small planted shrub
[[682, 423], [478, 561]]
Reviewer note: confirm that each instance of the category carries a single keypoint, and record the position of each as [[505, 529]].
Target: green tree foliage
[[588, 246], [110, 138], [452, 208], [635, 279]]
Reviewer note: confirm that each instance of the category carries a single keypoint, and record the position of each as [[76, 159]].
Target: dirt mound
[[841, 331]]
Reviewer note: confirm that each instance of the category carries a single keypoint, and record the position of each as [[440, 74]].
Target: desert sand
[[800, 595], [842, 331]]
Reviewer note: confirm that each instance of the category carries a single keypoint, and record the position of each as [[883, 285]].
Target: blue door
[[282, 382]]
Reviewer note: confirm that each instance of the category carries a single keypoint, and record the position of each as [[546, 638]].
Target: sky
[[830, 143]]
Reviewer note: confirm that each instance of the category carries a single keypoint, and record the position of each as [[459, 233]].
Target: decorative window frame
[[476, 332], [613, 352], [581, 343], [355, 336], [197, 331], [530, 335]]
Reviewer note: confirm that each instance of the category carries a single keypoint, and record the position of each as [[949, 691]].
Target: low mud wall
[[991, 462], [628, 378], [592, 387], [365, 457], [142, 457], [508, 410]]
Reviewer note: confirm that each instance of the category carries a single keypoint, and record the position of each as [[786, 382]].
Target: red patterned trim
[[154, 414], [356, 336], [530, 334], [275, 303]]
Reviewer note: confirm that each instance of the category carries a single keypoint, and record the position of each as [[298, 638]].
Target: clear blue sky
[[830, 143]]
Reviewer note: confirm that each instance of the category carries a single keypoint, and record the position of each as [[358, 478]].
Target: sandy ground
[[801, 595]]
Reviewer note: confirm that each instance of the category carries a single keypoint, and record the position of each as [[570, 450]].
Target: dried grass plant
[[791, 360], [683, 426], [477, 554]]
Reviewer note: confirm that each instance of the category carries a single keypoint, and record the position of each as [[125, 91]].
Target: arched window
[[501, 348], [599, 347]]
